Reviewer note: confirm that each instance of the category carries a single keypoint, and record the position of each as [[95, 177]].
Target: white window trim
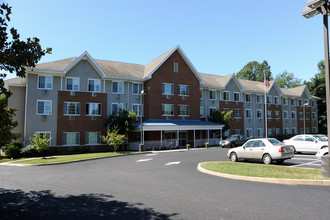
[[248, 94], [45, 88], [179, 89], [89, 79], [210, 110], [234, 113], [302, 102], [66, 83], [203, 115], [116, 103], [228, 95], [171, 108], [294, 114], [262, 132], [119, 82], [287, 114], [87, 103], [286, 128], [93, 132], [164, 91], [257, 113], [71, 114], [249, 129], [176, 67], [278, 100], [294, 102], [215, 92], [260, 100], [46, 132], [287, 101], [179, 110], [71, 144], [202, 93], [51, 106], [295, 129], [139, 108], [279, 115], [133, 88], [239, 97], [246, 115], [271, 114], [271, 100]]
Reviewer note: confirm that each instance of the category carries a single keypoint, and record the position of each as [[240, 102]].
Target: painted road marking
[[310, 163], [153, 154], [144, 160], [173, 163]]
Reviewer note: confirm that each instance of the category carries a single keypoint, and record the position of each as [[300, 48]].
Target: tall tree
[[15, 56], [287, 80], [222, 118], [317, 88], [255, 71], [122, 121]]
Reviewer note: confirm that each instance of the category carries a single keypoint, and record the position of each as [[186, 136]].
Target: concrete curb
[[266, 180], [10, 163]]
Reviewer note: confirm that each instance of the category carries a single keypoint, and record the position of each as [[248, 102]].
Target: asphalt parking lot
[[304, 161]]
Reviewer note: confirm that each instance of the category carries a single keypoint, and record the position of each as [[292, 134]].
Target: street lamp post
[[141, 145], [306, 104], [315, 7]]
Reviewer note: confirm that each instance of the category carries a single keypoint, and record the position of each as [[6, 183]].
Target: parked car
[[322, 152], [266, 150], [234, 140], [322, 137], [307, 143]]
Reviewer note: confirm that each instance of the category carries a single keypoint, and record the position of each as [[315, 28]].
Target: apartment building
[[70, 99]]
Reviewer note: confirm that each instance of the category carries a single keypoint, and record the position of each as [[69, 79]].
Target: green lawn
[[73, 157], [262, 170]]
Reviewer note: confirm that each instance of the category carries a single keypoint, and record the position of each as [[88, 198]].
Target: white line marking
[[303, 164], [153, 154], [144, 160], [303, 158], [173, 163]]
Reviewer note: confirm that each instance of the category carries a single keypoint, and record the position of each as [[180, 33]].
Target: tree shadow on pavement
[[17, 204]]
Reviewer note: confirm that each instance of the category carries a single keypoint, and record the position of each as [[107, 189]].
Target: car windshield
[[320, 138], [275, 142], [234, 137]]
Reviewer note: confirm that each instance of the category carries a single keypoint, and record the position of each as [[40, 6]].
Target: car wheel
[[294, 150], [232, 145], [233, 157], [279, 161], [267, 159]]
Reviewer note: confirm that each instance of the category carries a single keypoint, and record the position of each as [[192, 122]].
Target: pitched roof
[[58, 65], [215, 80], [153, 65], [119, 69]]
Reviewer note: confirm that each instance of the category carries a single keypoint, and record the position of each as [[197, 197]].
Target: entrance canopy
[[163, 125]]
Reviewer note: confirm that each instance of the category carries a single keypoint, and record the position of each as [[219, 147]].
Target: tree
[[255, 71], [122, 120], [222, 118], [317, 88], [114, 139], [15, 56], [41, 144], [287, 80]]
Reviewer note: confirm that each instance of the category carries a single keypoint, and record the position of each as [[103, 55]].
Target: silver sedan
[[265, 149]]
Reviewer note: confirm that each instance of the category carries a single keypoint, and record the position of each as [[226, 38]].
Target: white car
[[307, 143], [322, 152], [263, 149]]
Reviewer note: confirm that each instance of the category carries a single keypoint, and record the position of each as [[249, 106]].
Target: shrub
[[29, 151], [12, 151], [41, 144]]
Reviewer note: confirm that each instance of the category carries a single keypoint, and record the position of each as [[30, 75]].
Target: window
[[278, 131], [176, 67], [212, 109], [72, 83], [313, 115], [300, 102], [183, 90], [269, 132], [313, 103], [116, 107], [294, 130], [269, 99], [293, 115], [285, 101], [167, 89], [237, 113], [259, 143], [237, 131], [293, 102], [201, 94], [248, 113], [71, 138], [286, 130], [260, 132], [137, 88], [94, 85], [183, 110], [314, 130], [201, 111], [301, 130], [259, 113], [259, 99], [45, 134], [167, 109], [277, 115], [92, 138], [248, 98], [226, 109], [45, 82], [307, 115], [71, 108], [269, 114], [118, 87], [306, 101], [301, 115], [249, 132], [236, 97], [226, 96], [44, 107], [285, 114], [137, 109], [276, 100], [213, 95], [93, 109]]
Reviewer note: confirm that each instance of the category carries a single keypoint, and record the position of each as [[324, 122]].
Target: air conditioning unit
[[71, 118], [137, 97], [183, 118], [168, 97], [93, 118], [183, 97], [94, 94], [72, 93], [43, 117], [117, 96], [213, 101], [45, 91], [167, 117]]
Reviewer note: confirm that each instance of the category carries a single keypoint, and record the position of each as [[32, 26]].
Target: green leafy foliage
[[41, 144], [222, 118], [317, 88], [122, 121], [113, 139], [287, 80], [12, 151], [29, 151], [255, 71]]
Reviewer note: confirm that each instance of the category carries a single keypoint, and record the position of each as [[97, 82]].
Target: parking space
[[304, 161]]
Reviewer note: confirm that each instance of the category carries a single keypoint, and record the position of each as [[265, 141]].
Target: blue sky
[[219, 37]]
